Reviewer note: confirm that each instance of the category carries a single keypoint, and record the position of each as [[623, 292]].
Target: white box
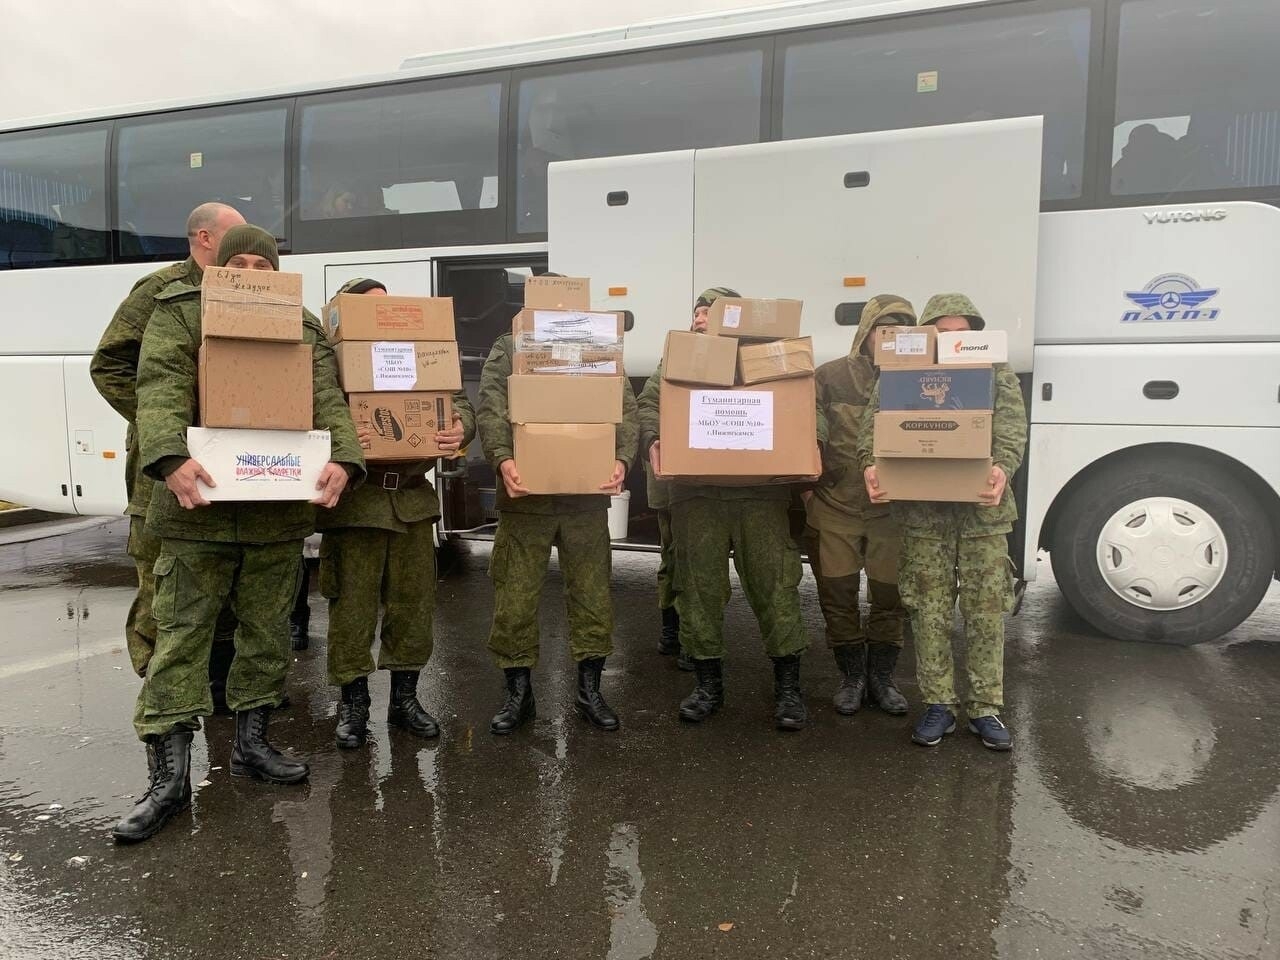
[[973, 346], [259, 464]]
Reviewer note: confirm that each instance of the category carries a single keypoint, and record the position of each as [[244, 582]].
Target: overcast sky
[[63, 56]]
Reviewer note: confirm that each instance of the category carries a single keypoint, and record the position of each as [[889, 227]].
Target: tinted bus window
[[641, 103], [53, 207], [1197, 97], [169, 165], [859, 79]]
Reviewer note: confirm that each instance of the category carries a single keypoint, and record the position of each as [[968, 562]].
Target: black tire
[[1250, 550]]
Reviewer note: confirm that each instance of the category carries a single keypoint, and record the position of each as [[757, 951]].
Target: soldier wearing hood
[[846, 533], [960, 550]]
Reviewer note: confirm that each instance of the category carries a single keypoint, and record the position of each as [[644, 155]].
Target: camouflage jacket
[[114, 367], [167, 399], [496, 436], [1008, 444], [372, 507]]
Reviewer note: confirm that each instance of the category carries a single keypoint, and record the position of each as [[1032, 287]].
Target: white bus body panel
[[33, 435], [95, 444]]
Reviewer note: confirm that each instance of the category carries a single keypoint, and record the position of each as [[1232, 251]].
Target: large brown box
[[952, 434], [569, 358], [251, 304], [557, 293], [762, 319], [399, 366], [564, 457], [254, 384], [358, 316], [763, 433], [696, 358], [775, 360], [935, 480], [404, 424], [904, 348], [555, 398]]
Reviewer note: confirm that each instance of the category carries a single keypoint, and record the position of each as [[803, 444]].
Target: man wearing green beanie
[[245, 552]]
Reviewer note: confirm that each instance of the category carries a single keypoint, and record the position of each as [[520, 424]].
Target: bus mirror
[[849, 314]]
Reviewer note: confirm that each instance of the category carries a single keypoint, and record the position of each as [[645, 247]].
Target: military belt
[[405, 479]]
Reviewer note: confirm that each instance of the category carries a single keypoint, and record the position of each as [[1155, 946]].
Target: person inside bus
[[378, 554], [245, 552]]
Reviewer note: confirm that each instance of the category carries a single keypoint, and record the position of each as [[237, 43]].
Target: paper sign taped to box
[[574, 327], [259, 464], [730, 420], [394, 366]]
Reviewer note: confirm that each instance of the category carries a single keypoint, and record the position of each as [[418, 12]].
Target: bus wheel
[[1163, 549]]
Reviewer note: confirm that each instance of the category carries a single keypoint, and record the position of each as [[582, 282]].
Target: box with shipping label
[[564, 457], [904, 347], [251, 304], [939, 481], [763, 432], [699, 359], [398, 365], [557, 293], [973, 346], [763, 319], [558, 398], [775, 360], [358, 316], [938, 388], [571, 358], [955, 434], [255, 384], [404, 424], [259, 464], [541, 329]]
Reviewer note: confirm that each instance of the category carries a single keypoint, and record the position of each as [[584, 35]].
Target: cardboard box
[[404, 424], [557, 398], [557, 293], [564, 457], [904, 347], [587, 329], [775, 360], [939, 481], [251, 304], [570, 358], [763, 319], [973, 346], [398, 365], [259, 464], [761, 433], [938, 388], [356, 316], [957, 434], [696, 358], [255, 384]]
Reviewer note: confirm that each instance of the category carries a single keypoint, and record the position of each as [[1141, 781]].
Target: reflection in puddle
[[632, 935], [1163, 742]]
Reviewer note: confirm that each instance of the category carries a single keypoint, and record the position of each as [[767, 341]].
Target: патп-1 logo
[[1171, 298]]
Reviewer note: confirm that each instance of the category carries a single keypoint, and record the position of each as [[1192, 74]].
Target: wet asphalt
[[1139, 814]]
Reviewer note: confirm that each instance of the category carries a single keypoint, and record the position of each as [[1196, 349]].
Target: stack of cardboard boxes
[[254, 379], [932, 435], [398, 363], [738, 402], [565, 394]]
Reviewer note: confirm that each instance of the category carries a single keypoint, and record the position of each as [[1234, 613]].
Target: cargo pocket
[[1010, 579], [499, 560], [330, 557], [164, 603]]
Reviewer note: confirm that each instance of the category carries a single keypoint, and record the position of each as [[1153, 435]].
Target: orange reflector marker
[[108, 454], [617, 291], [855, 281]]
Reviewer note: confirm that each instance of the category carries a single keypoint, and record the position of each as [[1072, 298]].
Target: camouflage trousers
[[518, 568], [933, 574], [839, 550], [364, 570], [666, 562], [758, 532], [194, 579]]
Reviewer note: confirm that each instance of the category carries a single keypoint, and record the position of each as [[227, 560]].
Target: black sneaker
[[936, 723], [995, 735]]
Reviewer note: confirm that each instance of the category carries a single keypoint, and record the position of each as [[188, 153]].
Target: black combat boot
[[353, 714], [881, 690], [519, 706], [708, 695], [300, 618], [253, 756], [789, 711], [590, 703], [669, 642], [169, 790], [405, 709], [852, 661], [221, 654], [685, 662]]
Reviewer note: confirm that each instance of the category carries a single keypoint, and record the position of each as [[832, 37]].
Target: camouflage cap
[[710, 295], [951, 305], [247, 238], [362, 285], [889, 308]]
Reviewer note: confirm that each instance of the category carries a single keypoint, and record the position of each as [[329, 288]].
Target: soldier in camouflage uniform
[[846, 533], [245, 552], [707, 522], [659, 497], [528, 526], [960, 549], [378, 552]]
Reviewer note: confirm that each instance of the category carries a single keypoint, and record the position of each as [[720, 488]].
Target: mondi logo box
[[259, 464], [937, 388], [973, 346]]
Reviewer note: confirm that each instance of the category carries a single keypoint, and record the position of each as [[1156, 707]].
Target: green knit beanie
[[709, 296], [247, 238]]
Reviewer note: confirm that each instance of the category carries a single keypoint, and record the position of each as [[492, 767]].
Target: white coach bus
[[1151, 359]]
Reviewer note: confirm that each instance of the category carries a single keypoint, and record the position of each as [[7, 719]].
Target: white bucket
[[619, 513]]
